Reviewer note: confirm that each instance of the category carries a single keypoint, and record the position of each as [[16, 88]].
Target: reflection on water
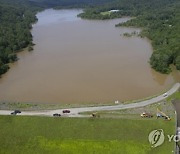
[[77, 61]]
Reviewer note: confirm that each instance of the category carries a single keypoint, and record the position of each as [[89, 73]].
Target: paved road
[[75, 111]]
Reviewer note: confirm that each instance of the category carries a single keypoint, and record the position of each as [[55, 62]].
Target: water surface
[[82, 61]]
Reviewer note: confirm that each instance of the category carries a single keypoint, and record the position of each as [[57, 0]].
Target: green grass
[[174, 96], [20, 134], [105, 13]]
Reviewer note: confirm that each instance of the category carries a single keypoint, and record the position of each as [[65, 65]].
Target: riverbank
[[75, 111], [39, 106]]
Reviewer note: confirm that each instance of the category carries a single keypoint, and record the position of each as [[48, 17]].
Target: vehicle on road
[[165, 95], [66, 111], [15, 112], [56, 115]]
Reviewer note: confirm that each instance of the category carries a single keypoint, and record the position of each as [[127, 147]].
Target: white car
[[165, 95]]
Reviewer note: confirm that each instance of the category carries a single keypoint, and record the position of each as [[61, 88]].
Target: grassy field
[[19, 134]]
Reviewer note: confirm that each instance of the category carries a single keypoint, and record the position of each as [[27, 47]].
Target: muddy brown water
[[82, 61]]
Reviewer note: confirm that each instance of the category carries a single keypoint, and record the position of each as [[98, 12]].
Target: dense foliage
[[69, 3], [16, 18], [160, 20]]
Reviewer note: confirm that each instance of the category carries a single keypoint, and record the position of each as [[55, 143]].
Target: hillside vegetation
[[16, 18]]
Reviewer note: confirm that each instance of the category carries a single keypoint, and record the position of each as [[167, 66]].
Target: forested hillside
[[160, 20], [69, 3], [16, 18]]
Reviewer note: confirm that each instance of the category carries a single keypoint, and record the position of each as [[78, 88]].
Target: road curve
[[75, 111]]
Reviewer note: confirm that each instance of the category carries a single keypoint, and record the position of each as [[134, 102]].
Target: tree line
[[160, 22], [16, 18]]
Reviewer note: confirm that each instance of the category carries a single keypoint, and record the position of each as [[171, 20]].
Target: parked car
[[66, 111], [16, 112], [56, 115]]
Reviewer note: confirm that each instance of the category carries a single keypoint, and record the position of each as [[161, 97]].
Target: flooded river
[[82, 61]]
